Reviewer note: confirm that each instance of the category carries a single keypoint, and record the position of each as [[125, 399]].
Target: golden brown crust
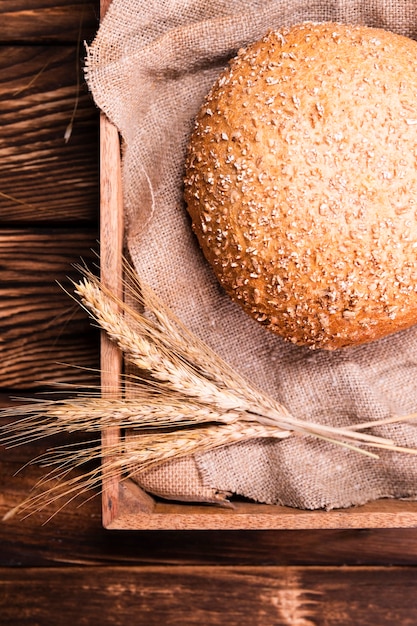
[[301, 182]]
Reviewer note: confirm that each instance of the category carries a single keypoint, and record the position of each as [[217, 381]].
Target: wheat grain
[[145, 351]]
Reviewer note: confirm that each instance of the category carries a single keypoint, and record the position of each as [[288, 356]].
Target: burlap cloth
[[149, 69]]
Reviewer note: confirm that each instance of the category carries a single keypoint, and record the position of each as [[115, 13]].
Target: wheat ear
[[166, 357]]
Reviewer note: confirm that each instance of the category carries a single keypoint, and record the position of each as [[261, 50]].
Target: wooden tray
[[125, 505]]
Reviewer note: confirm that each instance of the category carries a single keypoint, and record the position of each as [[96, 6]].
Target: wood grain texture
[[254, 516], [47, 20], [43, 176], [111, 275], [71, 570], [41, 327], [212, 596]]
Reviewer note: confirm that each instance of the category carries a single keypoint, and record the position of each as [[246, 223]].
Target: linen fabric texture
[[149, 69]]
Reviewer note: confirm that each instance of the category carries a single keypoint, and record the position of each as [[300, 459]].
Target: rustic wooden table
[[70, 570]]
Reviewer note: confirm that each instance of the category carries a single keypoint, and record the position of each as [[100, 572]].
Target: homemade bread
[[301, 182]]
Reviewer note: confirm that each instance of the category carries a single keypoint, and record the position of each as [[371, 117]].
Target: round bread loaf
[[301, 182]]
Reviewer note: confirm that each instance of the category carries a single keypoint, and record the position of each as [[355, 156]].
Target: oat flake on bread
[[301, 182]]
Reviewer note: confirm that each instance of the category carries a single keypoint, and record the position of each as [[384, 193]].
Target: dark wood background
[[70, 570]]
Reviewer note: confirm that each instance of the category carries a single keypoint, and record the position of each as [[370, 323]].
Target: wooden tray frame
[[124, 504]]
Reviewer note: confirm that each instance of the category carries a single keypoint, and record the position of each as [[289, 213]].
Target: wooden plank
[[48, 20], [45, 177], [283, 596], [42, 328], [111, 274], [254, 516]]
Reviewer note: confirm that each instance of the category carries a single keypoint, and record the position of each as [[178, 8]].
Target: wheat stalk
[[166, 357], [131, 455], [145, 411], [187, 400]]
